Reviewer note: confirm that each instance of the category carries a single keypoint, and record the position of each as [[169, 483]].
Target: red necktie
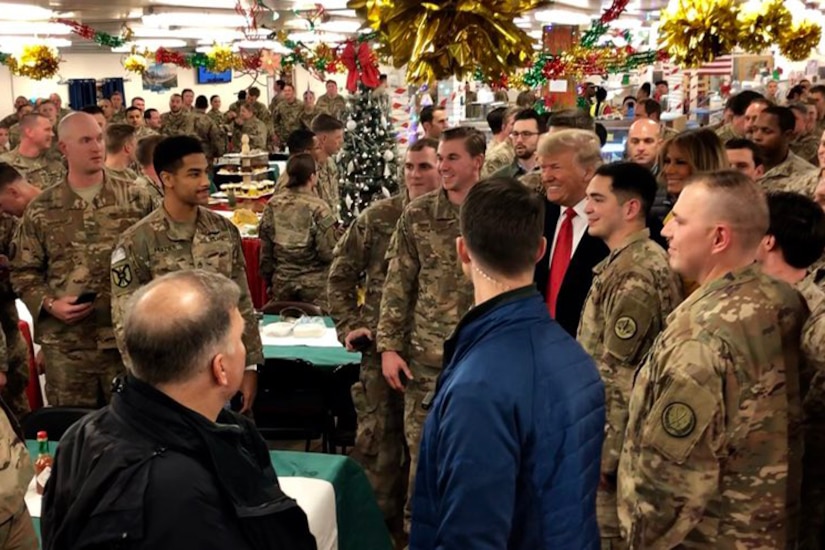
[[561, 259]]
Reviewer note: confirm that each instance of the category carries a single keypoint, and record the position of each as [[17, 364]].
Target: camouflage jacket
[[256, 130], [144, 131], [633, 292], [210, 135], [286, 118], [332, 106], [710, 457], [16, 470], [297, 233], [63, 246], [360, 260], [789, 175], [42, 171], [177, 124], [16, 351], [807, 148], [157, 245], [726, 133], [425, 293], [327, 188], [498, 156]]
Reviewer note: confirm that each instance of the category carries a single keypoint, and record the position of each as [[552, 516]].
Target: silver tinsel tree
[[368, 164]]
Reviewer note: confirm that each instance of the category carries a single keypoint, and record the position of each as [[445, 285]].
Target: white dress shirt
[[579, 227]]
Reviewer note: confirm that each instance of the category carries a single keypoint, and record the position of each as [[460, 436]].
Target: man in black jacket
[[166, 465]]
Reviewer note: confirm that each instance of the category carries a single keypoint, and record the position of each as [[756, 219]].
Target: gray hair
[[585, 143], [170, 341]]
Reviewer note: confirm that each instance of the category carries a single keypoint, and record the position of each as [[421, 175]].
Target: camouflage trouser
[[17, 533], [310, 289], [17, 378], [423, 382], [80, 378], [379, 441], [607, 515]]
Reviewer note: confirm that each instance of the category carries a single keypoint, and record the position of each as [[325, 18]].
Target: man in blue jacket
[[510, 454]]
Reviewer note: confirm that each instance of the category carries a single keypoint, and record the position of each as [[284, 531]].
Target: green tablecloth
[[360, 522], [327, 358]]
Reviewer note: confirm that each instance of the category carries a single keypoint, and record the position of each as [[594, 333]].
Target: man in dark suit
[[568, 160]]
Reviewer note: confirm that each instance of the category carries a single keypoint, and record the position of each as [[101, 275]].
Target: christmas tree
[[368, 164]]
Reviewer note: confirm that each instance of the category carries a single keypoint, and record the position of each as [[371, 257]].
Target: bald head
[[74, 122], [176, 324], [644, 141]]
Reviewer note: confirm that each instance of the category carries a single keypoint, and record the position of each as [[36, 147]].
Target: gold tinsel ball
[[761, 27], [695, 32], [135, 64], [38, 62], [797, 41], [222, 58]]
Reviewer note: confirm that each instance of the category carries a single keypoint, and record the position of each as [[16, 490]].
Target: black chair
[[343, 419], [290, 308], [52, 420], [291, 402]]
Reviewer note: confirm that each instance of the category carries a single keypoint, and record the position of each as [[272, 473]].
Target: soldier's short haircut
[[31, 120], [299, 168], [428, 113], [798, 225], [246, 107], [117, 136], [173, 96], [92, 110], [8, 175], [332, 82], [147, 114], [526, 99], [737, 200], [132, 109], [254, 91], [496, 119], [169, 153], [798, 107], [502, 223], [137, 98], [652, 107], [818, 89], [531, 114], [423, 143], [212, 98], [287, 85], [180, 344], [145, 152], [300, 141], [740, 102], [629, 180], [23, 106], [280, 83], [736, 144], [242, 95], [47, 102], [115, 93], [585, 143], [185, 90], [324, 123], [571, 118], [474, 141], [201, 102], [784, 117]]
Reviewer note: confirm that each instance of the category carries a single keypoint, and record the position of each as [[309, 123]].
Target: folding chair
[[54, 420]]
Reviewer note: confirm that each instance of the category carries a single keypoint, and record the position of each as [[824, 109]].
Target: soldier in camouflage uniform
[[632, 293], [331, 102], [299, 141], [805, 143], [796, 240], [252, 127], [148, 179], [712, 456], [379, 441], [260, 111], [58, 102], [134, 117], [310, 109], [500, 151], [31, 157], [215, 113], [177, 122], [772, 133], [297, 234], [426, 292], [277, 96], [118, 109], [286, 118], [62, 250], [212, 137], [13, 118], [330, 134], [184, 235], [120, 151], [16, 471]]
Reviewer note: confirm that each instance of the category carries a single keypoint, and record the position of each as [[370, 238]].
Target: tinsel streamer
[[175, 58], [135, 64], [695, 32], [762, 27], [37, 62], [440, 38], [796, 42], [222, 58], [600, 25], [100, 38]]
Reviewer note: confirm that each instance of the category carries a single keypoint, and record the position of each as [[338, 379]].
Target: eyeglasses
[[516, 135]]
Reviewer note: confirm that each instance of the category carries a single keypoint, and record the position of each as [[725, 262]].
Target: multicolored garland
[[37, 61]]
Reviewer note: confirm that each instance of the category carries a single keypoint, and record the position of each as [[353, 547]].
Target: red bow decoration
[[361, 65]]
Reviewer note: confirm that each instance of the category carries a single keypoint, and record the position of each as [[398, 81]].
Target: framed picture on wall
[[751, 67], [160, 77]]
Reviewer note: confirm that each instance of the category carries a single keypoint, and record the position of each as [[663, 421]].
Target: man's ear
[[461, 250], [218, 371]]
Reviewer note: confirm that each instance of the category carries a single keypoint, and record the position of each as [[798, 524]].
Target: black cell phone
[[402, 376], [361, 343], [86, 298]]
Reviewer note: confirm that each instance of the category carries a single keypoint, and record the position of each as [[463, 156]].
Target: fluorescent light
[[194, 19], [25, 12], [53, 29], [207, 49], [313, 37], [329, 5], [17, 42], [151, 45], [523, 22], [271, 45], [214, 4], [536, 34], [340, 26], [562, 17]]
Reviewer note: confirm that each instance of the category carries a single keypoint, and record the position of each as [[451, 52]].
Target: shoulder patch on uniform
[[678, 419], [122, 276], [118, 255], [625, 327]]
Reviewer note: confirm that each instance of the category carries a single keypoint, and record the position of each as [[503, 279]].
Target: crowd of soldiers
[[709, 351]]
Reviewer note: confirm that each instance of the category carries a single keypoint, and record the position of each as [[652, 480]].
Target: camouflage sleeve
[[324, 230], [629, 329], [350, 259], [217, 140], [251, 334], [497, 159], [29, 262], [278, 124], [266, 232], [400, 289], [143, 200], [682, 443], [129, 271]]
